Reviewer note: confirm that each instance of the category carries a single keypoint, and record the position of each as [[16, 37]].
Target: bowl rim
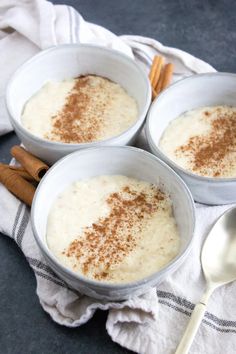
[[69, 146], [164, 95], [99, 284]]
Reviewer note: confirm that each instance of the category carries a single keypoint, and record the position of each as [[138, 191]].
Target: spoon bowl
[[219, 251]]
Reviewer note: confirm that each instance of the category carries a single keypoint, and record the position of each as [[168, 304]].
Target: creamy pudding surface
[[86, 109], [113, 229], [203, 141]]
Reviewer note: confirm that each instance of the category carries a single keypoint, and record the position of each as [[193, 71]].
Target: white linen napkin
[[152, 323]]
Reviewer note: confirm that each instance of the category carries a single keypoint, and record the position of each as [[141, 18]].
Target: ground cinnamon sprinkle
[[214, 151], [80, 120], [107, 242]]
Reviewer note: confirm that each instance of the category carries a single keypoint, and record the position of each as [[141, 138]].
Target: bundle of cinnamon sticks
[[160, 75], [22, 181]]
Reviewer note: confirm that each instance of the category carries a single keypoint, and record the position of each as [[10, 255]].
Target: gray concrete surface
[[205, 28]]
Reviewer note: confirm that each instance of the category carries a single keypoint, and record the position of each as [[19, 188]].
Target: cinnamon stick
[[35, 167], [20, 171], [153, 68], [167, 75], [17, 185], [159, 84], [157, 74]]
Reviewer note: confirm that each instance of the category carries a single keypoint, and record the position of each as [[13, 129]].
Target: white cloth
[[152, 323]]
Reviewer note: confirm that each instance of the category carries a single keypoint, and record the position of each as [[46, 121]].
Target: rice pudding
[[85, 109], [113, 229], [203, 141]]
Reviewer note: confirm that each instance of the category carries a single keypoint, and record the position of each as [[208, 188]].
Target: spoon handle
[[191, 329]]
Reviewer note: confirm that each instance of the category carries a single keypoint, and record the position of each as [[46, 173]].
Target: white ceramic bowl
[[127, 161], [69, 61], [193, 92]]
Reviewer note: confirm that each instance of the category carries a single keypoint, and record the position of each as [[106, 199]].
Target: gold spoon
[[218, 260]]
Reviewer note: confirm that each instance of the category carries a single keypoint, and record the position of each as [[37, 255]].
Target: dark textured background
[[205, 28]]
